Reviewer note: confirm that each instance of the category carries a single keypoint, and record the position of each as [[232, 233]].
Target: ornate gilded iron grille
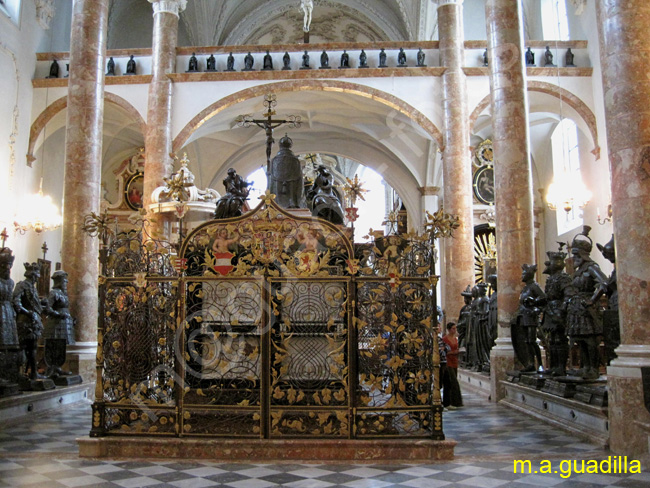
[[222, 343], [309, 382], [267, 326]]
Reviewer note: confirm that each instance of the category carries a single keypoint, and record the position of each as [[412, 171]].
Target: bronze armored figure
[[532, 300], [584, 320], [611, 328], [493, 316], [232, 203], [324, 201], [462, 325], [480, 327], [10, 351], [554, 322], [59, 326], [285, 177], [28, 309]]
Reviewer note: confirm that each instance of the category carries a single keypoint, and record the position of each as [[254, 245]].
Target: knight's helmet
[[582, 243], [608, 250]]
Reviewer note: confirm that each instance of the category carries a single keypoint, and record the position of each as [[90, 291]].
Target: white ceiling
[[226, 22]]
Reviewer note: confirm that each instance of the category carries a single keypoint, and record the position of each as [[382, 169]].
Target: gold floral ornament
[[98, 224], [391, 221], [268, 197], [354, 189], [176, 185], [441, 224]]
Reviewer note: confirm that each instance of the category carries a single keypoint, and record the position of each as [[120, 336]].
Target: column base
[[502, 360], [81, 360], [627, 377]]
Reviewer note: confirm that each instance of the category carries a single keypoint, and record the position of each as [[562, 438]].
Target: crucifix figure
[[307, 6], [268, 124]]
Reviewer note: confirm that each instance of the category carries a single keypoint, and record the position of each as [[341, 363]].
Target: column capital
[[174, 7], [449, 2], [429, 190]]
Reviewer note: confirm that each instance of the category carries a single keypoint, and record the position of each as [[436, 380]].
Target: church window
[[11, 8], [555, 23], [566, 169]]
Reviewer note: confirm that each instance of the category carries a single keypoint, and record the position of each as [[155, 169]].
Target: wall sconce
[[606, 219], [567, 194]]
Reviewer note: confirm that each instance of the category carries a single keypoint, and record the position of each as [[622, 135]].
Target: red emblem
[[223, 262]]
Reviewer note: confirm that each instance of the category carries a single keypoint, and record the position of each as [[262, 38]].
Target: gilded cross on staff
[[268, 124]]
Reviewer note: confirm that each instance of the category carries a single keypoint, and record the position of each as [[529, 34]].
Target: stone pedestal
[[34, 403], [44, 384], [512, 174], [81, 360], [11, 358], [269, 451], [585, 421]]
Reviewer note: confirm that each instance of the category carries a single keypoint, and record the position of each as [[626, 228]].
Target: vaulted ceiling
[[227, 22]]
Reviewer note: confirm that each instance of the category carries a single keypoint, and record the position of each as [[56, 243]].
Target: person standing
[[451, 395]]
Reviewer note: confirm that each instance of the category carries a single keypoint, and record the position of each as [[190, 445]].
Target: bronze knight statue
[[285, 177], [478, 355], [462, 324], [493, 317], [232, 203], [554, 322], [611, 328], [28, 309], [324, 201], [59, 331], [584, 320], [524, 332], [10, 351]]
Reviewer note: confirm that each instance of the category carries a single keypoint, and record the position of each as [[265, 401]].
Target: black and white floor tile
[[43, 454]]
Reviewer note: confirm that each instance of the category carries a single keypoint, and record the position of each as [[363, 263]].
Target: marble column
[[456, 157], [512, 172], [624, 51], [82, 174], [158, 136]]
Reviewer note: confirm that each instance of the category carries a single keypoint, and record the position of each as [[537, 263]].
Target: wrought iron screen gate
[[267, 326]]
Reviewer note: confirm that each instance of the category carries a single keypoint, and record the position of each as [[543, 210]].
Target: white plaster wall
[[474, 20], [423, 93], [20, 42], [136, 95]]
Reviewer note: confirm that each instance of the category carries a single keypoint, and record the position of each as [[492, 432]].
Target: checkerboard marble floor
[[43, 454]]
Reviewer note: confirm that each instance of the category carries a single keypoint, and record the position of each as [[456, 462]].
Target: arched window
[[566, 170], [555, 23], [11, 8]]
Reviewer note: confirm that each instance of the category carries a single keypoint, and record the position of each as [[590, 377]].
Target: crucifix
[[307, 7], [268, 124]]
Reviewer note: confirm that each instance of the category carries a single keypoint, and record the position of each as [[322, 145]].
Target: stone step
[[31, 403]]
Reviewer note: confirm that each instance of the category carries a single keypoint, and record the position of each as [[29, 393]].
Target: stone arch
[[308, 85], [60, 104], [566, 96]]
